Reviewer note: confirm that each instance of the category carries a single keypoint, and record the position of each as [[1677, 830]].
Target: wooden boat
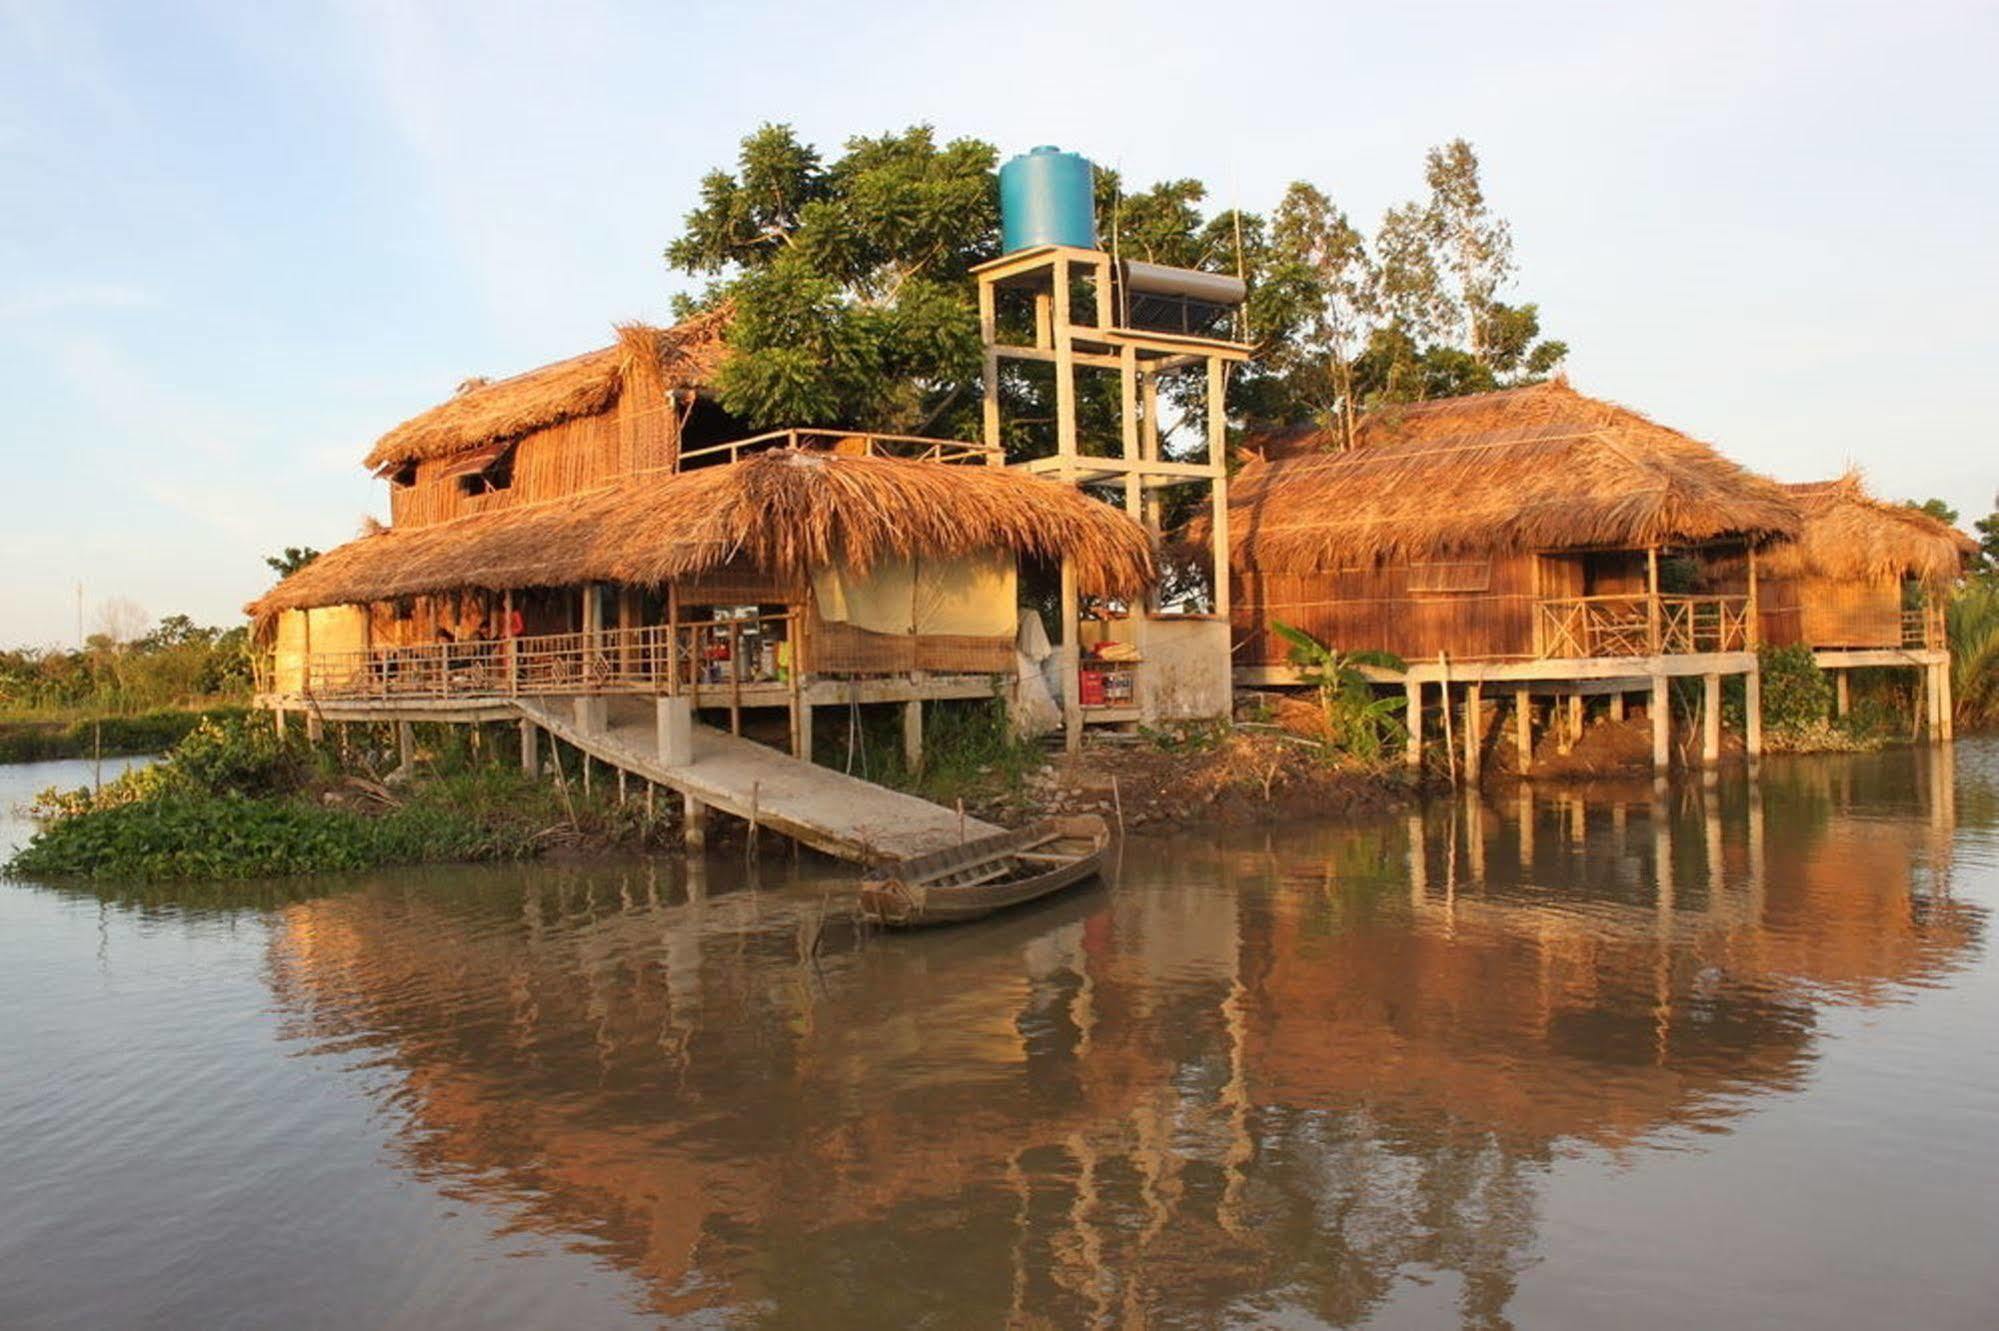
[[992, 873]]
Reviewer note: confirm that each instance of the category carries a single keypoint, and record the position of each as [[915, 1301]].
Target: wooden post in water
[[1523, 730], [1474, 730], [1661, 709], [695, 815], [1752, 714], [1842, 697], [1413, 755], [1710, 721]]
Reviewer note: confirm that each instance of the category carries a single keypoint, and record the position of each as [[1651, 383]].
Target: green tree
[[1935, 508], [291, 559], [849, 280], [1321, 261]]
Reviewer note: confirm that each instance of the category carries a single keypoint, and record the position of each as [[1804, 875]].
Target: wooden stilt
[[694, 814], [1842, 697], [1946, 706], [1752, 714], [405, 743], [1661, 709], [1575, 718], [530, 748], [1523, 730], [1710, 720], [1413, 716], [1617, 706], [912, 735], [1474, 730]]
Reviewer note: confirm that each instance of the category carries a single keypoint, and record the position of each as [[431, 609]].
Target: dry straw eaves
[[1848, 533], [1537, 468], [783, 511], [652, 359]]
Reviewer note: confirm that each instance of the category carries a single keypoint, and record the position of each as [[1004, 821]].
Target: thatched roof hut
[[782, 512], [1541, 468], [486, 413], [1849, 534]]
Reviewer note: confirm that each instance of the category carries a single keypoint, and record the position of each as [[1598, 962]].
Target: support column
[[1413, 755], [589, 714], [1842, 697], [1523, 730], [912, 735], [1560, 716], [1946, 707], [405, 743], [1069, 653], [1661, 708], [530, 748], [315, 729], [278, 722], [1710, 720], [804, 732], [1474, 729], [674, 730], [694, 814], [1752, 714], [1575, 718], [1617, 706]]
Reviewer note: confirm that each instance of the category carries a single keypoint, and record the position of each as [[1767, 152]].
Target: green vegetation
[[231, 800], [1973, 620], [29, 740], [849, 279], [1357, 721], [969, 748], [1798, 705]]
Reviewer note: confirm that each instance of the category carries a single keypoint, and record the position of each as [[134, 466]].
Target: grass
[[43, 735], [1973, 621]]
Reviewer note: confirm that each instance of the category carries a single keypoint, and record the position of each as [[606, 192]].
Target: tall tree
[[291, 559], [1473, 248], [1321, 257]]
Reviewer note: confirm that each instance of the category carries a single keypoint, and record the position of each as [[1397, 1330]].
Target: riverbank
[[43, 738]]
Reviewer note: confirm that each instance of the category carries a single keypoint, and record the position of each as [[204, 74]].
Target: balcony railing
[[715, 658], [917, 447], [1924, 628], [1641, 625]]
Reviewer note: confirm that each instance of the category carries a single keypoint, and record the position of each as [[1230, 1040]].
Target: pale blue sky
[[239, 242]]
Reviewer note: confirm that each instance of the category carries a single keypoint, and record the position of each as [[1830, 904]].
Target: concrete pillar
[[674, 720], [589, 714], [405, 743], [1523, 729], [1474, 729], [695, 815], [1069, 652], [1661, 708], [1617, 706], [1413, 714], [315, 728], [278, 722], [1752, 714], [912, 735], [1710, 720], [804, 732], [1576, 717], [1842, 699], [530, 748], [1946, 706]]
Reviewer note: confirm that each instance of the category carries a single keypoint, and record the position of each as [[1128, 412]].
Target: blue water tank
[[1047, 197]]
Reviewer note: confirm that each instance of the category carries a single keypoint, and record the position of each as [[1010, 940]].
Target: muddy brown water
[[1725, 1059]]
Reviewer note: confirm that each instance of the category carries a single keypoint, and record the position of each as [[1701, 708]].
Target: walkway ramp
[[841, 815]]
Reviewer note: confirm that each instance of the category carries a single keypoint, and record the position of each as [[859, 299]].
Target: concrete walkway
[[841, 815]]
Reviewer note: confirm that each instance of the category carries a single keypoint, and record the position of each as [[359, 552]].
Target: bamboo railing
[[1924, 628], [917, 447], [716, 658], [1641, 625]]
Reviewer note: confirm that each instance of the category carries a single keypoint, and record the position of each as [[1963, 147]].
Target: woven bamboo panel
[[1377, 610], [1856, 613]]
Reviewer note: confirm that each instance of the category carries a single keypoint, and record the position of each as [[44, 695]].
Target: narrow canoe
[[992, 873]]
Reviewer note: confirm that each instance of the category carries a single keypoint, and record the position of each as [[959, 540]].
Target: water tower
[[1055, 299]]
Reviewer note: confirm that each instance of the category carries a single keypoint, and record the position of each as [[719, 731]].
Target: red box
[[1092, 691]]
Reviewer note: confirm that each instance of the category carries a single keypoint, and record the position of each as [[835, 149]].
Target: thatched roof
[[784, 512], [1848, 533], [684, 356], [1537, 468]]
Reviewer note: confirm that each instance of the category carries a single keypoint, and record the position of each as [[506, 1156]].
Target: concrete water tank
[[1047, 197]]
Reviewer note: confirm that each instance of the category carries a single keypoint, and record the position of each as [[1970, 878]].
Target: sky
[[240, 242]]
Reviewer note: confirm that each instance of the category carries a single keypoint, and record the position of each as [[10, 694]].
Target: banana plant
[[1356, 719]]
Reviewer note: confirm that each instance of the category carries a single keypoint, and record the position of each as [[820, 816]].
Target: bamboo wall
[[1476, 609], [1829, 612], [560, 460]]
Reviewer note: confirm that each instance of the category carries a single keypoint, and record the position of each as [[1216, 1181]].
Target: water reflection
[[1318, 1074]]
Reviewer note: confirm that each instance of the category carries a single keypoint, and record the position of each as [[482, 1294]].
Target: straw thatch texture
[[684, 356], [781, 512], [1541, 468], [1849, 534]]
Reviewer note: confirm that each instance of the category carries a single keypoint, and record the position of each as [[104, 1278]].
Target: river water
[[1725, 1059]]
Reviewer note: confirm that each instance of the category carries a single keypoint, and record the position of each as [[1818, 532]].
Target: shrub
[[1797, 695]]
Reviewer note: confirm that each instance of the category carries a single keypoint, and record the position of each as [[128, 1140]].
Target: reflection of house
[[1318, 1067], [1865, 584], [1527, 540]]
